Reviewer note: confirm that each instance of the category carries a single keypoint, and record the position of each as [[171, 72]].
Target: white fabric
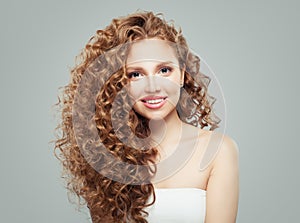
[[182, 205]]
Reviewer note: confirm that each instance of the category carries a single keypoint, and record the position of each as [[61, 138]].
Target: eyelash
[[169, 69], [135, 72], [130, 74]]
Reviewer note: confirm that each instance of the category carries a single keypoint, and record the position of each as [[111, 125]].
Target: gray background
[[252, 46]]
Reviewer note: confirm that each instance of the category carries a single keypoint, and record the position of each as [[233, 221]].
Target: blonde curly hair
[[86, 167]]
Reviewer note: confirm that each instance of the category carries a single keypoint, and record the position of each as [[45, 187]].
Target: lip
[[156, 105], [153, 98]]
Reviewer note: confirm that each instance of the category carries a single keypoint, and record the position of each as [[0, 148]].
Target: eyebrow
[[138, 68]]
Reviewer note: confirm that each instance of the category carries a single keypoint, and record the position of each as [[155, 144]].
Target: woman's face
[[155, 78]]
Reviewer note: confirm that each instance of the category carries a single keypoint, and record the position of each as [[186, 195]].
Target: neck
[[166, 131]]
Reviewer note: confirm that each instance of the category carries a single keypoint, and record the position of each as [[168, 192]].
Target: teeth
[[154, 101]]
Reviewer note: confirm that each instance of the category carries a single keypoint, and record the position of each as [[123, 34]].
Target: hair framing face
[[90, 169]]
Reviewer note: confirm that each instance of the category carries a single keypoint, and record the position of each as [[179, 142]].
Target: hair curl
[[109, 200]]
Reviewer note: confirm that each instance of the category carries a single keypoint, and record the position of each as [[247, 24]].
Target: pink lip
[[154, 106], [152, 98]]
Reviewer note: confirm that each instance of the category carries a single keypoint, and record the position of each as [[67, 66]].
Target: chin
[[162, 114], [151, 116]]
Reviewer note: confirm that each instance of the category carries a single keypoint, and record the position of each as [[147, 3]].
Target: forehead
[[151, 49]]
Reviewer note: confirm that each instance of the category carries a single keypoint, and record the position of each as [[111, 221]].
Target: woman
[[133, 144]]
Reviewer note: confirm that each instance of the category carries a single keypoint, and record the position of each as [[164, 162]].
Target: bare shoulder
[[220, 150], [223, 181], [228, 148], [227, 156]]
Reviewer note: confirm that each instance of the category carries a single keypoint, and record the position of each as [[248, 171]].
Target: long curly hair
[[92, 150]]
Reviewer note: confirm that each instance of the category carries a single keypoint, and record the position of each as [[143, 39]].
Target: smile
[[154, 103]]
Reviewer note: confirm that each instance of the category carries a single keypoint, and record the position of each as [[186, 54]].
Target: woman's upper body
[[102, 145], [189, 157]]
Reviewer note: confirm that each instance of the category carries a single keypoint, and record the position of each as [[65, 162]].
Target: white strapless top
[[178, 205]]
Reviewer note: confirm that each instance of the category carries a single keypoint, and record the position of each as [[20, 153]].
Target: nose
[[152, 85]]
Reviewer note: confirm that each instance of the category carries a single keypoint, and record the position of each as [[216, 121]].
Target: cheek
[[136, 89], [172, 90]]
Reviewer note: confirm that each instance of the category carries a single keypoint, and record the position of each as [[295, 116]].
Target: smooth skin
[[148, 66]]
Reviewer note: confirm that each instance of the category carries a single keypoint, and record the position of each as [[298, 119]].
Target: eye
[[134, 75], [165, 70]]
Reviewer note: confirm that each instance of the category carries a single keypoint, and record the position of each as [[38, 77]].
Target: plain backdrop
[[252, 46]]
